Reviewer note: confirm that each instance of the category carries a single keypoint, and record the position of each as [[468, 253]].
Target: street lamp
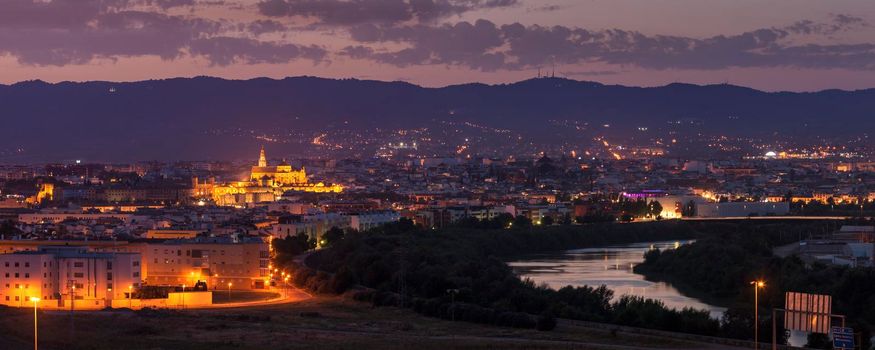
[[35, 301], [130, 296], [20, 296], [183, 296], [756, 320], [229, 291]]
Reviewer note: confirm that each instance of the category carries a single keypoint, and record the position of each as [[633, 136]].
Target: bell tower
[[262, 159]]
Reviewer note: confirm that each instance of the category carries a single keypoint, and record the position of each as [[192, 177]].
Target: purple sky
[[798, 45]]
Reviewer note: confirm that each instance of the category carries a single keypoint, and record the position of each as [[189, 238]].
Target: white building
[[53, 274], [367, 220], [312, 225], [739, 209]]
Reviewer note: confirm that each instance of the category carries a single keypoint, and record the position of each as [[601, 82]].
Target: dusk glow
[[437, 174], [778, 45]]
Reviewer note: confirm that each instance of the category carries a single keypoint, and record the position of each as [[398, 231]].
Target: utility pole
[[452, 293], [72, 287]]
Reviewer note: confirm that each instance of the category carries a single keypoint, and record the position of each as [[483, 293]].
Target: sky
[[795, 45]]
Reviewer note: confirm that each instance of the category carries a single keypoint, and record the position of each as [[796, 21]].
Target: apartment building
[[57, 274]]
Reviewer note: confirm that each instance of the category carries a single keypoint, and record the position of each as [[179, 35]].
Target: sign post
[[811, 313], [842, 338]]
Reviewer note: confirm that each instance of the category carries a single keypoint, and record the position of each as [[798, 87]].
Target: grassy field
[[318, 323]]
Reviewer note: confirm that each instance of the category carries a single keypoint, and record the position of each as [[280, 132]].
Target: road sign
[[842, 338], [807, 312]]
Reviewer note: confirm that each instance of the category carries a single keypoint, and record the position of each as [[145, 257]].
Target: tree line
[[460, 273], [722, 266]]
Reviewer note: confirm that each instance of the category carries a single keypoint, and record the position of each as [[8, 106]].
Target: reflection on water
[[612, 266]]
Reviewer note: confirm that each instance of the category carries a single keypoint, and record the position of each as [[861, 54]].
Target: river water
[[612, 266]]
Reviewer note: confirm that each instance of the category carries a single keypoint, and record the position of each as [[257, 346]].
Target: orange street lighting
[[35, 301], [756, 320]]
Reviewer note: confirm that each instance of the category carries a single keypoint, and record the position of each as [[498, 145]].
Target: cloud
[[485, 46], [594, 73], [400, 33], [263, 26], [223, 51], [351, 12], [63, 32]]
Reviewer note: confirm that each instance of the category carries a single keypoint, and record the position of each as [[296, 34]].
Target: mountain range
[[208, 118]]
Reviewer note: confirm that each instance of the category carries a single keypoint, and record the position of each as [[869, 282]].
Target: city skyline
[[808, 46]]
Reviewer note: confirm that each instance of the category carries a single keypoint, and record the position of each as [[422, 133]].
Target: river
[[612, 266]]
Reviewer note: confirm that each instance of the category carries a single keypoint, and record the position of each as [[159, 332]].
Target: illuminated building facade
[[54, 274], [266, 184], [216, 261]]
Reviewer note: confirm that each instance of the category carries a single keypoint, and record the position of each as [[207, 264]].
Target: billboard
[[807, 312]]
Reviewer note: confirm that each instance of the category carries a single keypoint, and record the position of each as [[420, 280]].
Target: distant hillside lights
[[266, 184]]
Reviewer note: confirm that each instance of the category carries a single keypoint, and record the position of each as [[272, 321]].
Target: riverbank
[[723, 266], [614, 267]]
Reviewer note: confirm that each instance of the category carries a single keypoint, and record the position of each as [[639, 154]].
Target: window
[[137, 263], [44, 264], [109, 276], [26, 264], [78, 264], [16, 264], [78, 275], [78, 286], [27, 275], [7, 264], [7, 298], [16, 298], [109, 265], [16, 275], [136, 274], [7, 275]]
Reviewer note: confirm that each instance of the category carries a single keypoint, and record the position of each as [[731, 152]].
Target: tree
[[689, 209], [546, 322], [566, 220], [332, 236], [654, 209], [818, 341], [547, 220], [522, 222]]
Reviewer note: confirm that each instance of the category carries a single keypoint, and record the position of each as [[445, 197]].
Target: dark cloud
[[223, 51], [460, 44], [485, 46], [263, 26], [395, 32], [544, 8], [64, 32], [350, 12]]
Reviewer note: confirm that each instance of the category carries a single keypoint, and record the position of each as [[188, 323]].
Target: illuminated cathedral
[[280, 175], [266, 184]]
